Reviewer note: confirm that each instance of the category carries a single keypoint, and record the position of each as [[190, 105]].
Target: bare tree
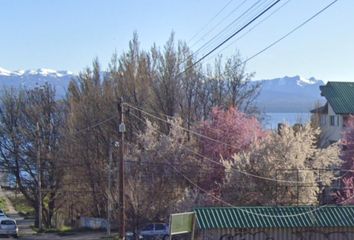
[[20, 113]]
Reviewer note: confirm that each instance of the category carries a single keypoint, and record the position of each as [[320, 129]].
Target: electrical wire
[[252, 28], [191, 131], [289, 33], [236, 169], [249, 212], [211, 20], [223, 33], [253, 213], [230, 37], [214, 140], [246, 211], [243, 210], [222, 20], [95, 125]]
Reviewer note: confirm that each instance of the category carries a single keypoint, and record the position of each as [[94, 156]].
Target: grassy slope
[[3, 204], [21, 205]]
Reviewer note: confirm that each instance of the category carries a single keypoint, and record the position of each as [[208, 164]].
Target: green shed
[[275, 223]]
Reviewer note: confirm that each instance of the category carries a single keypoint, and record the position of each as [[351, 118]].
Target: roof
[[340, 96], [322, 110], [275, 217]]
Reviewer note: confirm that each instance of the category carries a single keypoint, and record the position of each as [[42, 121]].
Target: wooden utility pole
[[121, 171], [109, 192], [39, 179]]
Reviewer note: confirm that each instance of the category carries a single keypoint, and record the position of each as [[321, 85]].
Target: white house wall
[[330, 133]]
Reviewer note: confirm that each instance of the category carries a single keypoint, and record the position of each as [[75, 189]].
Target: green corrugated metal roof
[[275, 217], [340, 96]]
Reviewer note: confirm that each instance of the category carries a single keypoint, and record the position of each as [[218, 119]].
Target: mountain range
[[285, 94], [290, 94], [32, 78]]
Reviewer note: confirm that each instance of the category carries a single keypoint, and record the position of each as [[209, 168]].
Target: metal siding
[[340, 95], [243, 217], [278, 234], [232, 220]]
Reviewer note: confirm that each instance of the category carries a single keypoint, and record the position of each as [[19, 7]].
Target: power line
[[255, 26], [238, 170], [214, 140], [211, 20], [191, 131], [94, 126], [253, 213], [207, 43], [246, 211], [213, 28], [217, 36], [289, 33], [249, 212], [220, 34], [230, 37]]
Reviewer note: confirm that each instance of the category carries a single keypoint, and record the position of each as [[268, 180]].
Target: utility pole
[[121, 171], [109, 194], [39, 179]]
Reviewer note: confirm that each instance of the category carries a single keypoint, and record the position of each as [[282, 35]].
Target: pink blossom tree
[[228, 132], [346, 194]]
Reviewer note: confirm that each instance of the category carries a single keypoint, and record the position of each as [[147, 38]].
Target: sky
[[69, 34]]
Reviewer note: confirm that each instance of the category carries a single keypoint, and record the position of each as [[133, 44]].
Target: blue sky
[[68, 34]]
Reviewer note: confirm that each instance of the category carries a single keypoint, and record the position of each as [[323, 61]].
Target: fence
[[93, 223]]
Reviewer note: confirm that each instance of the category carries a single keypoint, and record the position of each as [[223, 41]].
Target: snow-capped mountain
[[289, 94], [33, 78], [286, 94]]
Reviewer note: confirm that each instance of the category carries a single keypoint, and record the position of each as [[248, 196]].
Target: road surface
[[26, 232]]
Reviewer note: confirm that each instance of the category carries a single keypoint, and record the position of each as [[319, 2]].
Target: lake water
[[272, 119]]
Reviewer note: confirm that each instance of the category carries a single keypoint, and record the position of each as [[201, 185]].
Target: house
[[334, 114]]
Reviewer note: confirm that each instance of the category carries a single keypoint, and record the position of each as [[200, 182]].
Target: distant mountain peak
[[288, 81], [46, 71], [29, 79], [306, 81], [289, 94], [39, 71], [4, 72]]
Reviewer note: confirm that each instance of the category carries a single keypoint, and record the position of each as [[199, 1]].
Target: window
[[7, 222], [331, 120], [323, 120], [149, 227], [338, 121], [159, 227]]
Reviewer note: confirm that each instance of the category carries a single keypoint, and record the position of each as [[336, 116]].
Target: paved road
[[24, 225], [75, 236], [26, 232]]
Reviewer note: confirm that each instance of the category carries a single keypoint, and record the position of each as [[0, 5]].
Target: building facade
[[334, 114]]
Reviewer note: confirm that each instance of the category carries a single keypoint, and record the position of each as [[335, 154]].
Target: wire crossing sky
[[67, 35]]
